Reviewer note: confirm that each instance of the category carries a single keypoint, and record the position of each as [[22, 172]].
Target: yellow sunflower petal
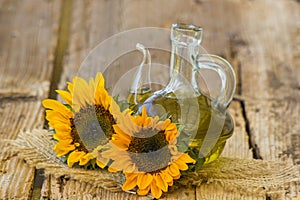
[[57, 106], [89, 92], [92, 86], [155, 191], [62, 128], [66, 96], [53, 122], [137, 120], [62, 149], [129, 167], [128, 127], [144, 180], [99, 80], [65, 143], [144, 120], [62, 136], [100, 92], [172, 130], [105, 99], [82, 93], [52, 115], [124, 164], [166, 176], [144, 191], [173, 170], [144, 113], [176, 177], [100, 164], [70, 88], [126, 123], [119, 144], [130, 183], [114, 108], [121, 138], [181, 164], [74, 157], [186, 158], [170, 136], [121, 135], [167, 123], [170, 183], [160, 182], [85, 159], [115, 167], [155, 123], [112, 170], [160, 125]]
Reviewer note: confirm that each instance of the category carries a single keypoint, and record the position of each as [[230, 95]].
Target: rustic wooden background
[[43, 42]]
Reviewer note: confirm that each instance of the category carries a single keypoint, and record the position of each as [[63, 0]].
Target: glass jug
[[190, 101]]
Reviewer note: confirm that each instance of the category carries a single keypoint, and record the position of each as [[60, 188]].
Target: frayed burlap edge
[[263, 177]]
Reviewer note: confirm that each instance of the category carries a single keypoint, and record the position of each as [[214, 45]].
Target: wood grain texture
[[261, 39], [27, 37], [270, 60], [270, 75], [26, 50]]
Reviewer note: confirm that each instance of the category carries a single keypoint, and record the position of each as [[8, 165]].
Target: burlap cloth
[[261, 177]]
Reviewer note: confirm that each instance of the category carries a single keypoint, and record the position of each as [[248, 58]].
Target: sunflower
[[84, 125], [144, 148]]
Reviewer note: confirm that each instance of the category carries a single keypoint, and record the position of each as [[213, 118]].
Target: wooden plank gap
[[11, 98], [252, 143], [61, 46]]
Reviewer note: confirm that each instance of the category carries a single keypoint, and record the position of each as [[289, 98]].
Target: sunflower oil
[[204, 128]]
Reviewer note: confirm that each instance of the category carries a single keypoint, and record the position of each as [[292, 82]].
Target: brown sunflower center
[[91, 127], [150, 154]]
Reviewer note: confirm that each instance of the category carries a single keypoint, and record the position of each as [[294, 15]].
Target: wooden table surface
[[43, 42]]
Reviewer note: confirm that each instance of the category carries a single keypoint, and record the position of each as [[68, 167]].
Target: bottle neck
[[181, 61], [182, 70]]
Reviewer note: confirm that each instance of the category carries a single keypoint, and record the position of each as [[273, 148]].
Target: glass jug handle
[[226, 73], [142, 79]]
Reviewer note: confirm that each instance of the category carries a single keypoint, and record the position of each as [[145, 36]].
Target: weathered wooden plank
[[270, 75], [275, 125], [270, 79], [19, 115], [16, 178], [27, 37], [92, 22], [270, 60], [27, 44]]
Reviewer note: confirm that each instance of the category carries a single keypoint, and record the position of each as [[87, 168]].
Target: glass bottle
[[204, 123]]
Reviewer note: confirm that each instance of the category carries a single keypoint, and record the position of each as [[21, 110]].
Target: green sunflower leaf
[[69, 107], [122, 103]]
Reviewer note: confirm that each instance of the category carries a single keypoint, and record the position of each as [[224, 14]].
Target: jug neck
[[186, 41]]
